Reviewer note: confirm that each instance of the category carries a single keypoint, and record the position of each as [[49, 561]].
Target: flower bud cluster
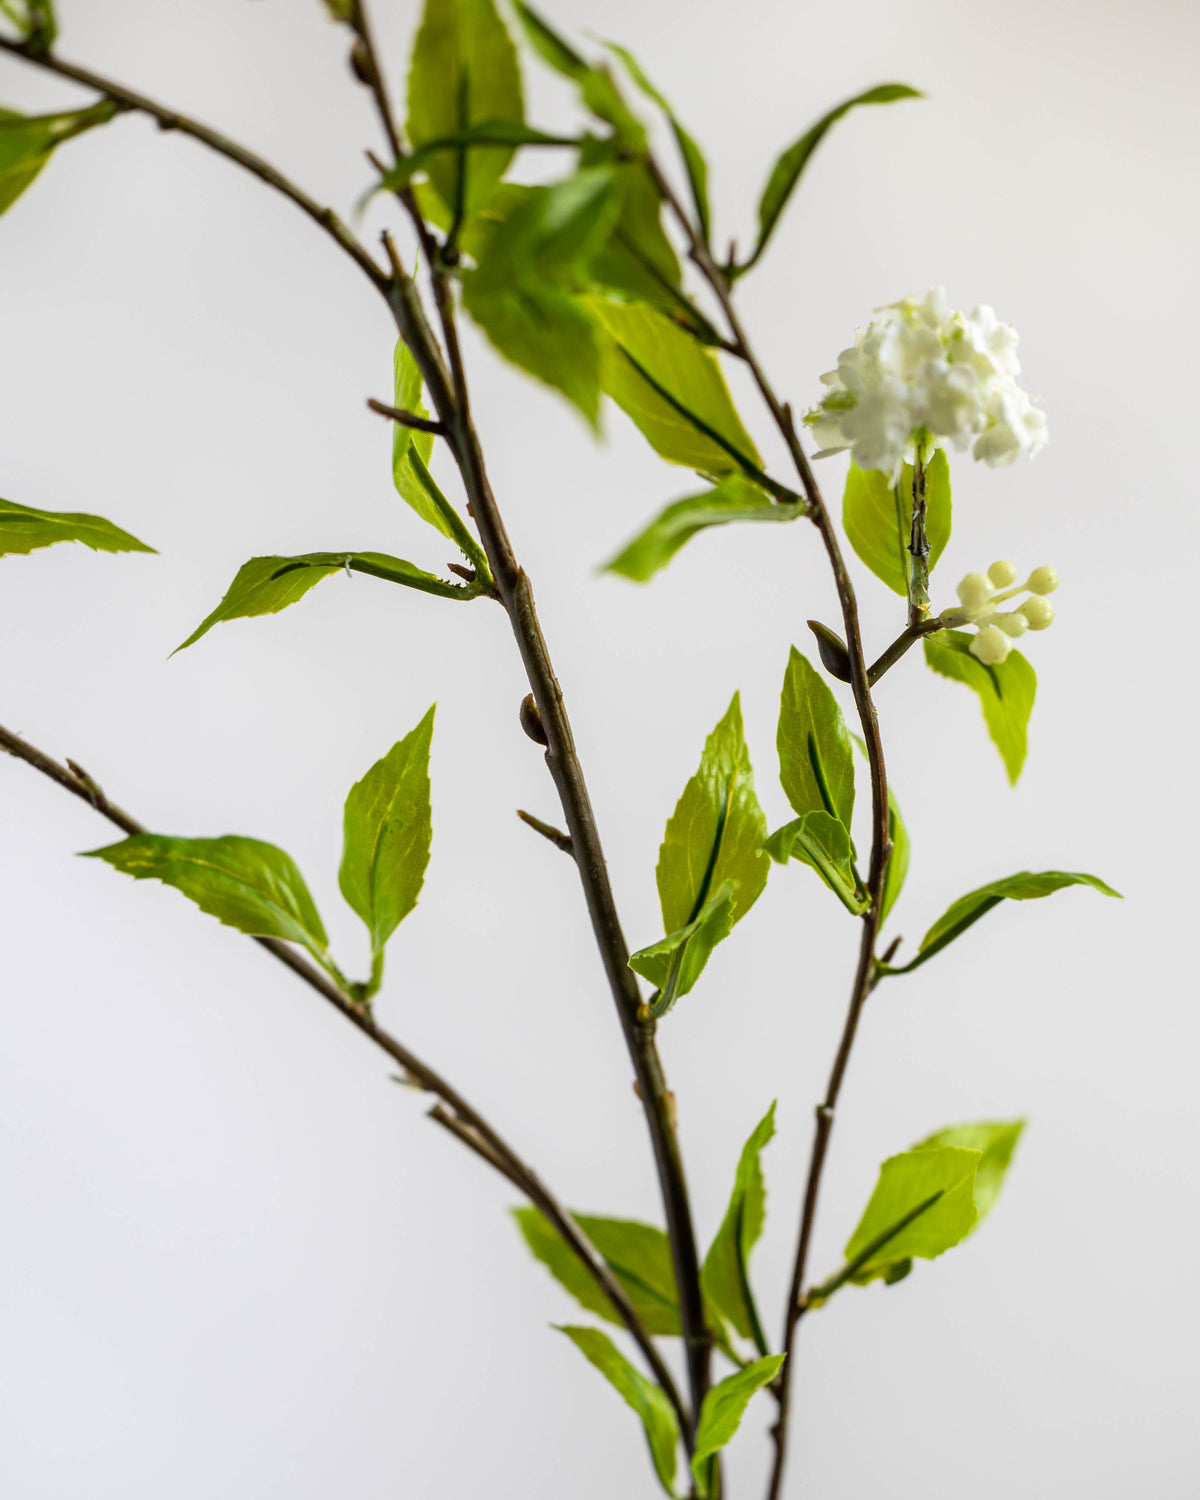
[[924, 373], [981, 594]]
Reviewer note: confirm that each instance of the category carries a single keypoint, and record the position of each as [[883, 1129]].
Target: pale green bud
[[1042, 581], [1013, 624], [1002, 574], [1039, 613], [991, 646], [974, 591]]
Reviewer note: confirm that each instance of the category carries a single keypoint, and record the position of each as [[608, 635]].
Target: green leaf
[[24, 530], [1006, 691], [245, 883], [638, 1255], [722, 1411], [945, 1174], [816, 758], [27, 141], [34, 19], [546, 333], [388, 831], [637, 260], [464, 73], [597, 89], [265, 585], [672, 388], [820, 840], [897, 870], [968, 909], [675, 962], [786, 172], [878, 518], [546, 233], [996, 1140], [726, 1274], [711, 868], [644, 1396], [693, 158], [734, 499]]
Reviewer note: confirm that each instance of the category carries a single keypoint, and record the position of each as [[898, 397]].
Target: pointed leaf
[[968, 909], [411, 448], [1006, 691], [723, 1409], [905, 1183], [734, 499], [265, 585], [388, 832], [672, 388], [27, 141], [597, 89], [816, 758], [693, 158], [716, 832], [24, 529], [464, 73], [997, 1140], [786, 172], [644, 1396], [245, 883], [878, 518], [637, 260], [726, 1274]]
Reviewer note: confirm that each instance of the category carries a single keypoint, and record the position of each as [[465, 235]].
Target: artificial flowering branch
[[579, 282]]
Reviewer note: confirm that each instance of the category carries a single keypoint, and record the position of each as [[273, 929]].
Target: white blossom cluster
[[980, 596], [922, 372]]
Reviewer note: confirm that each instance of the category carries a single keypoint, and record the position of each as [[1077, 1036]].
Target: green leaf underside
[[711, 868], [693, 158], [996, 1140], [1006, 691], [544, 332], [897, 870], [675, 962], [820, 841], [464, 73], [265, 585], [24, 529], [637, 259], [639, 1256], [734, 499], [27, 142], [816, 759], [243, 882], [411, 449], [725, 1276], [645, 355], [967, 910], [878, 518], [787, 170], [388, 833], [905, 1183], [723, 1409], [644, 1396]]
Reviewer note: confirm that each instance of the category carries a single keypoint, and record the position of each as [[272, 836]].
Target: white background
[[235, 1259]]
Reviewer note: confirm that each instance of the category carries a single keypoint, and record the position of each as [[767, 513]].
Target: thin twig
[[486, 1141], [906, 639], [170, 119], [408, 418], [556, 836]]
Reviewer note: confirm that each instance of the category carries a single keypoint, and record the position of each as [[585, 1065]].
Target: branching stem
[[453, 1111]]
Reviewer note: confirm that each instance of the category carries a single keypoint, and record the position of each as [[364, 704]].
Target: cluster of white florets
[[923, 373], [980, 597]]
